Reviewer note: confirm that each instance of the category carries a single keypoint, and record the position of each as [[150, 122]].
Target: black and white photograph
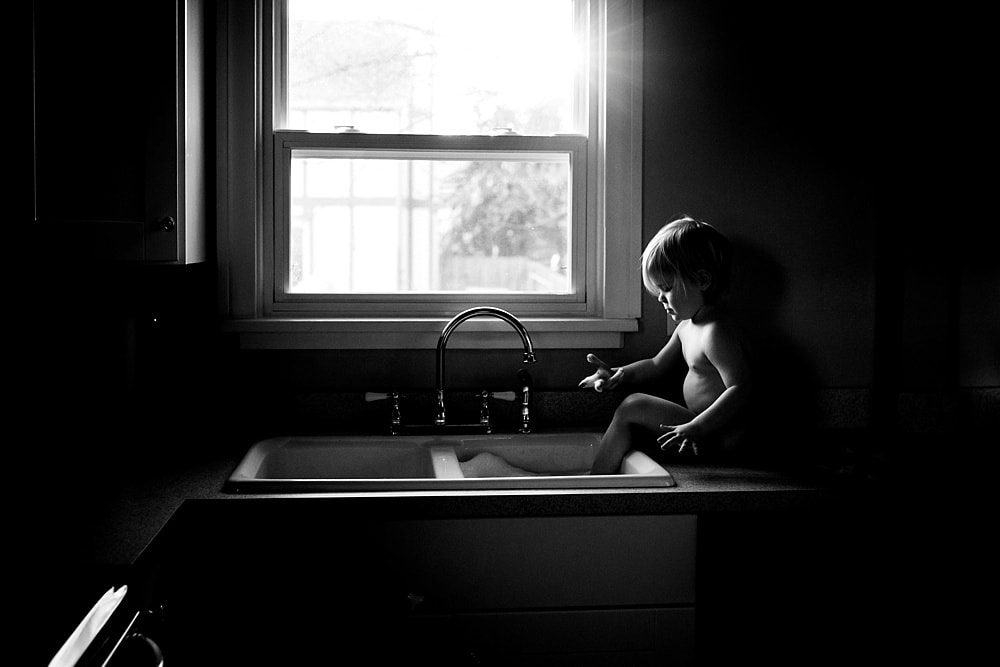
[[523, 332]]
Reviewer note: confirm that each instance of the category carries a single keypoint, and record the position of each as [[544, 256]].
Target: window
[[412, 158]]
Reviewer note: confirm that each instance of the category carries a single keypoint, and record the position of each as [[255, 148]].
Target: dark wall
[[753, 122]]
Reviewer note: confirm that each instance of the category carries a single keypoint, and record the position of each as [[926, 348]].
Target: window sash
[[434, 147], [584, 17]]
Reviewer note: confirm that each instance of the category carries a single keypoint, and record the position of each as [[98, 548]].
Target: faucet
[[478, 311]]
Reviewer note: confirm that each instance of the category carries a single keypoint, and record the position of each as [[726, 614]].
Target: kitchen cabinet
[[558, 590], [305, 581], [120, 130]]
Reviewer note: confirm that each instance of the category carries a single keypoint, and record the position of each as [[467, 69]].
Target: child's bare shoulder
[[721, 330]]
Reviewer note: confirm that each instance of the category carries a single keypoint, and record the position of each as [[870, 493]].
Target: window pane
[[380, 225], [433, 66]]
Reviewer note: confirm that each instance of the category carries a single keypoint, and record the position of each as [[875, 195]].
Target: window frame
[[251, 156]]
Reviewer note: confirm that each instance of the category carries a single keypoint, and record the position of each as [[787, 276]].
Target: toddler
[[687, 267]]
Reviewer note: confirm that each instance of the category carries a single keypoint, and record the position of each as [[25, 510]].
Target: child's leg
[[637, 410], [491, 465]]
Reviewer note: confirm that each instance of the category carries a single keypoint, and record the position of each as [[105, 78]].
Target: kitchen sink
[[307, 464]]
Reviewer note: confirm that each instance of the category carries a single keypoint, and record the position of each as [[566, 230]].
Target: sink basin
[[426, 463]]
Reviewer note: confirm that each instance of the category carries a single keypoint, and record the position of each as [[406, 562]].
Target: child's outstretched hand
[[604, 378], [678, 435]]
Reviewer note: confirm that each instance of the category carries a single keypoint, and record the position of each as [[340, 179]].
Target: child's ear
[[703, 279]]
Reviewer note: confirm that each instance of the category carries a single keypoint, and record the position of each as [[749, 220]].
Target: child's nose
[[661, 297]]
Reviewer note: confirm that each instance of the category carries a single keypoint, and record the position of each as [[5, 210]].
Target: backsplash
[[349, 412]]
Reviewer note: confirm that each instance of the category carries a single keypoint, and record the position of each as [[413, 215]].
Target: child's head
[[689, 249]]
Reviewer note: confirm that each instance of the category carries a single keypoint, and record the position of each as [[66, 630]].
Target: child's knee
[[634, 408], [650, 411]]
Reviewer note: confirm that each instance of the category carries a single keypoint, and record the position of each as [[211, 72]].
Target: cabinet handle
[[167, 224]]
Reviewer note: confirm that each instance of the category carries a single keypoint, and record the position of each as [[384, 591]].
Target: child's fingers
[[592, 358], [668, 439], [590, 380], [596, 380], [671, 438], [673, 442], [687, 443]]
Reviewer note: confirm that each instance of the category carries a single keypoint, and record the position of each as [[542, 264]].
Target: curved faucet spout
[[478, 311]]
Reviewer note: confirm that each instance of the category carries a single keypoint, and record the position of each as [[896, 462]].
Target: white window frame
[[251, 156]]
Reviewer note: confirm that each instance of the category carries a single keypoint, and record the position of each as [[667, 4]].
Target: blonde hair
[[684, 248]]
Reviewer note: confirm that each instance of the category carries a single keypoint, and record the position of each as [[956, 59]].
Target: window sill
[[423, 333]]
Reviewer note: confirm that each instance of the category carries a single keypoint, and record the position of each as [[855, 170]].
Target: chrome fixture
[[525, 384], [480, 311], [395, 413]]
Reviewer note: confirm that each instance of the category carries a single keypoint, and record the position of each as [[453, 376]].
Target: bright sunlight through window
[[434, 66]]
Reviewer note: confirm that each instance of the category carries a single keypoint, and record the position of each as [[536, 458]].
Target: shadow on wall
[[784, 407]]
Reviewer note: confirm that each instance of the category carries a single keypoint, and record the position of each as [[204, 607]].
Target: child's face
[[680, 298]]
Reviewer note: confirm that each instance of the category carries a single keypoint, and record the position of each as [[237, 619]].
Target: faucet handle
[[395, 416], [525, 382], [484, 410]]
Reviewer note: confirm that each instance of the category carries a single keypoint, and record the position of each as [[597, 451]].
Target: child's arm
[[724, 351], [636, 372]]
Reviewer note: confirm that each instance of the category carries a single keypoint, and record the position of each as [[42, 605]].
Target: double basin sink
[[321, 464]]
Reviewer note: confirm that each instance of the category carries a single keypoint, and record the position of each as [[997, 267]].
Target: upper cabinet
[[120, 130]]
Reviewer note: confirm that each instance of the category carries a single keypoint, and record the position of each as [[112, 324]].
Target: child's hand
[[605, 377], [681, 436]]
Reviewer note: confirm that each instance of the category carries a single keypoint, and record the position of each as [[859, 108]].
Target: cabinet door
[[545, 562], [118, 123], [321, 579]]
